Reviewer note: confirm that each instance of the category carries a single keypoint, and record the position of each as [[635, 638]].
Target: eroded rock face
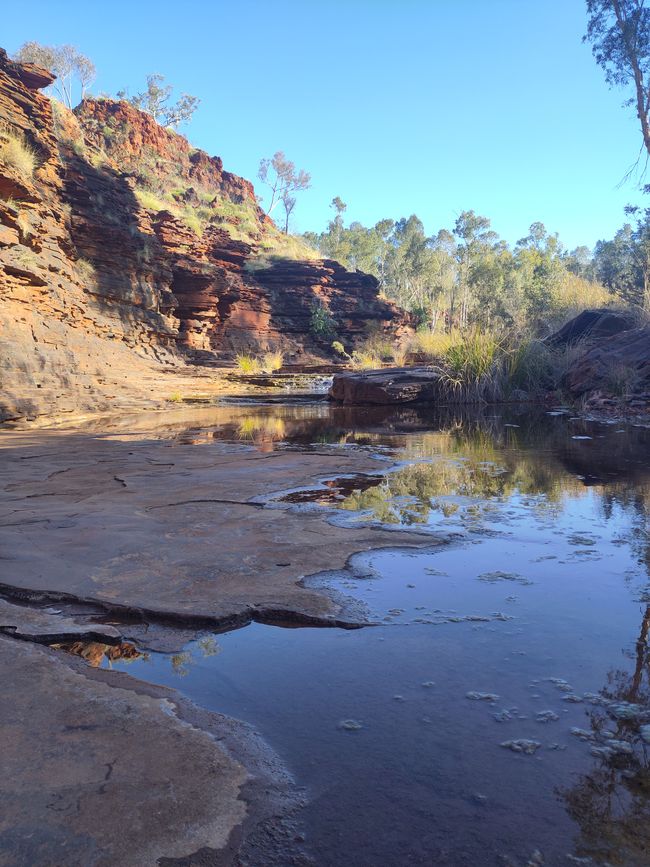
[[81, 318], [99, 294]]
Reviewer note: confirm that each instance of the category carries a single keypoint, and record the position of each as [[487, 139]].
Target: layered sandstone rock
[[103, 287]]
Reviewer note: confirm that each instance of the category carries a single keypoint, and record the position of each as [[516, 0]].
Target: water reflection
[[523, 614], [611, 804], [100, 655]]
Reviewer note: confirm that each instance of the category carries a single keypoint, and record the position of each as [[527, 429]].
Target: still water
[[498, 710]]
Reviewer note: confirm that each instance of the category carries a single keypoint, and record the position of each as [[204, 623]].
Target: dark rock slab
[[620, 362], [386, 386], [592, 325]]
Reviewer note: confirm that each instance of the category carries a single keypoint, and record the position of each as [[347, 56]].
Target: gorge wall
[[126, 253]]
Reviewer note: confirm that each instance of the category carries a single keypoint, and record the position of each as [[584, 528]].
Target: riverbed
[[493, 705]]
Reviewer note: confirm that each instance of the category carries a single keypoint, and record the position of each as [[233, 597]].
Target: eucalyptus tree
[[155, 101], [67, 63], [619, 32], [283, 180]]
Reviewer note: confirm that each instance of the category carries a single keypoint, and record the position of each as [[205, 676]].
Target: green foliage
[[321, 321], [155, 101], [619, 31], [623, 263], [468, 277]]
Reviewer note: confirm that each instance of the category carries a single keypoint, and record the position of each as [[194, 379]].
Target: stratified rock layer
[[102, 290]]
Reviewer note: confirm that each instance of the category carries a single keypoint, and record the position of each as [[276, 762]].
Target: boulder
[[592, 325], [386, 386], [618, 364]]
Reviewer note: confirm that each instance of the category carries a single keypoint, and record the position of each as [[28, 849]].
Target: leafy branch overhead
[[619, 31], [155, 101], [281, 177]]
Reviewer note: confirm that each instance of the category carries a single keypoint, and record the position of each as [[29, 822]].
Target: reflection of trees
[[611, 804], [480, 473]]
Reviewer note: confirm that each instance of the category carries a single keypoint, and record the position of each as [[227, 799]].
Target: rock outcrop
[[106, 283], [618, 366]]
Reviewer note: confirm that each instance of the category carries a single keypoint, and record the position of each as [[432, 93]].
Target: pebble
[[482, 696], [428, 683]]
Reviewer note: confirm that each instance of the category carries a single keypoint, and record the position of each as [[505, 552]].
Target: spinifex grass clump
[[247, 363], [16, 152], [472, 368], [482, 366], [269, 362]]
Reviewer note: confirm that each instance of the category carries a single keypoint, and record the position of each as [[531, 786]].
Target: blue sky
[[398, 106]]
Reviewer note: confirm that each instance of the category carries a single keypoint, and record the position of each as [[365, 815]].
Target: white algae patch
[[544, 716], [482, 696], [350, 725], [522, 745]]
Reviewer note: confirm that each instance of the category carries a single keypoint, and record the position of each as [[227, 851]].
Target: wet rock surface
[[173, 531]]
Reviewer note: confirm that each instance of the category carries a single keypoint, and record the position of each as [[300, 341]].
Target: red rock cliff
[[122, 247]]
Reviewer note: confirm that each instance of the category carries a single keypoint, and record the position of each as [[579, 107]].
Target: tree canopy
[[466, 276]]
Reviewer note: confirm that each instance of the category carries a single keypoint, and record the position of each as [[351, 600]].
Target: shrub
[[321, 322], [85, 272], [622, 380], [16, 152]]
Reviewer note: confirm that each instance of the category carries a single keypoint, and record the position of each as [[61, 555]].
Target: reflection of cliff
[[95, 653]]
